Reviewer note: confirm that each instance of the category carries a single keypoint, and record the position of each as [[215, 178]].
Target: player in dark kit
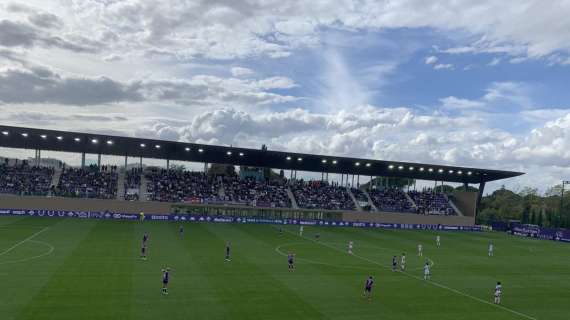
[[291, 261], [181, 231], [368, 288], [145, 238], [317, 236], [394, 264], [228, 251], [143, 252], [165, 279]]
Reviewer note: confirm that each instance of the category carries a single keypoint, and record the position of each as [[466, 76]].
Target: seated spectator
[[132, 184], [431, 202], [182, 186], [391, 200], [321, 195], [251, 192], [23, 179], [90, 182]]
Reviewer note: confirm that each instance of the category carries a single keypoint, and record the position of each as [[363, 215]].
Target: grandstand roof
[[65, 141]]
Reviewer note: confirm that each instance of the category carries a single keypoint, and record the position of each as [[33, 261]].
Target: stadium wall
[[76, 204], [407, 218], [100, 205], [466, 202]]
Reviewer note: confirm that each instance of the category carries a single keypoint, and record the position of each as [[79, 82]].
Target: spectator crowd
[[89, 182], [23, 179]]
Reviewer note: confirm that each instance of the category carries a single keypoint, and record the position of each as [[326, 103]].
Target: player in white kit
[[420, 250], [498, 292], [350, 246], [491, 249], [300, 231], [438, 241], [427, 274], [403, 262]]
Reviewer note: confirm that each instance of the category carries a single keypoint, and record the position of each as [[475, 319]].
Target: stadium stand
[[390, 199], [321, 195], [132, 184], [23, 179], [431, 202], [249, 191], [182, 186], [90, 182]]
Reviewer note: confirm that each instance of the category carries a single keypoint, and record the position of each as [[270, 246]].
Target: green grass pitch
[[88, 269]]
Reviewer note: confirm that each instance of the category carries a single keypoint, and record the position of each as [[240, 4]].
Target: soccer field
[[90, 269]]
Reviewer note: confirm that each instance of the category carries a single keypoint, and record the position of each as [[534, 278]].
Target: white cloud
[[494, 62], [241, 72], [452, 102], [443, 66], [431, 60]]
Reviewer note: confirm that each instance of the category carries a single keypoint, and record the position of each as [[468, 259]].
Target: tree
[[539, 219], [532, 218], [525, 214]]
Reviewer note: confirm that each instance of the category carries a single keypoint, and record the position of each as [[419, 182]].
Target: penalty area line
[[22, 242], [420, 279]]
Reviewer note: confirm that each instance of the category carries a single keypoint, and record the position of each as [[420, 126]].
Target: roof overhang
[[77, 142]]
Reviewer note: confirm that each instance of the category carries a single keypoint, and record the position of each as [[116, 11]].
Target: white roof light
[[440, 170], [334, 161], [229, 153], [157, 146], [400, 167], [200, 150], [469, 173], [288, 158], [324, 161], [43, 136], [299, 159], [411, 168], [459, 172], [59, 138], [143, 145], [430, 169], [77, 139], [241, 154], [187, 149], [391, 166], [357, 164], [450, 171], [422, 169], [109, 142], [25, 135], [5, 133], [94, 141], [368, 164]]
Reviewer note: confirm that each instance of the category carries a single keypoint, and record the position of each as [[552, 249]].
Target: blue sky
[[441, 81]]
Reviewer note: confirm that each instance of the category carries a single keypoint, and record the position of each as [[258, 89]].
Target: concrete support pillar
[[358, 181], [205, 167], [82, 160], [167, 164], [352, 183], [126, 162], [99, 161], [341, 179], [140, 163]]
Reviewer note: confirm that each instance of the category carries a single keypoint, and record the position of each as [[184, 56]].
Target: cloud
[[452, 102], [431, 60], [443, 66], [19, 34], [241, 72], [494, 62], [41, 85]]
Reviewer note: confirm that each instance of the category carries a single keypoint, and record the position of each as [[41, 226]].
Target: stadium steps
[[292, 198], [55, 178], [370, 202], [356, 205], [455, 208], [143, 188], [121, 184], [414, 205]]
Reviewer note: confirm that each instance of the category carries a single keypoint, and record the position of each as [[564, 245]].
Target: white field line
[[50, 250], [421, 279], [23, 241]]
